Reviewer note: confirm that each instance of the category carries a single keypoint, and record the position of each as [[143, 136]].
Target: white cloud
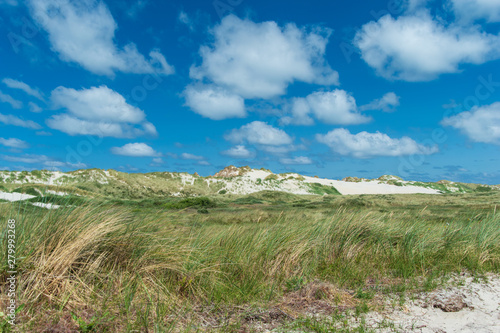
[[9, 2], [300, 113], [43, 160], [413, 5], [365, 145], [14, 143], [75, 126], [279, 150], [214, 102], [336, 107], [34, 107], [298, 160], [469, 10], [418, 48], [332, 107], [157, 161], [97, 103], [136, 7], [8, 99], [187, 156], [388, 103], [480, 124], [261, 133], [239, 151], [16, 121], [185, 19], [259, 60], [93, 47], [135, 150], [15, 84], [98, 111]]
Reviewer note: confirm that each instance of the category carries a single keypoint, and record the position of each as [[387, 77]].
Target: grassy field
[[238, 263]]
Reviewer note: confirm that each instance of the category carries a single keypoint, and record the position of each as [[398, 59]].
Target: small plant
[[361, 294], [92, 325], [271, 177], [294, 283], [203, 211]]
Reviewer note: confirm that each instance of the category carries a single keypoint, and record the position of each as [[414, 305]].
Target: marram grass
[[108, 268]]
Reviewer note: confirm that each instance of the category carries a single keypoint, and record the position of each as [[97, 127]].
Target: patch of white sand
[[374, 187], [482, 314], [15, 196], [62, 194], [44, 205]]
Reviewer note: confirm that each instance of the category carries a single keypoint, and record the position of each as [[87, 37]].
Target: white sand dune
[[372, 187]]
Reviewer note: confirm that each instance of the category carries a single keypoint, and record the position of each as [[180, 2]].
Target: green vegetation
[[27, 190], [225, 263], [271, 177], [320, 189], [191, 202]]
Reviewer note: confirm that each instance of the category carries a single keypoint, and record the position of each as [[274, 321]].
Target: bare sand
[[468, 305], [15, 196]]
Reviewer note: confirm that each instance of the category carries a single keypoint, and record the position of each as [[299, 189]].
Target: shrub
[[191, 202], [271, 177]]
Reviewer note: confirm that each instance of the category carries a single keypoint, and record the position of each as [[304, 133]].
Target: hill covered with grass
[[231, 180]]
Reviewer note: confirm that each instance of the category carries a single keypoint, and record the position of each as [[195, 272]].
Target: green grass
[[154, 265], [320, 189]]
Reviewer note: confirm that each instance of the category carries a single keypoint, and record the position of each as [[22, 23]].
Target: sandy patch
[[15, 196], [62, 194], [471, 307], [373, 187], [44, 205]]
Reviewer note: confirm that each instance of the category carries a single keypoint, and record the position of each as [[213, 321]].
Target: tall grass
[[121, 271]]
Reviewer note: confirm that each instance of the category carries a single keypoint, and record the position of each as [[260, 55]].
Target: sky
[[327, 88]]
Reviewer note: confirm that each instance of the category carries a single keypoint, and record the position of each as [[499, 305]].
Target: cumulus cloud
[[9, 119], [480, 124], [331, 107], [298, 160], [98, 111], [388, 103], [135, 150], [15, 84], [418, 48], [15, 104], [365, 145], [14, 143], [260, 133], [469, 10], [214, 102], [93, 47], [238, 151], [259, 60]]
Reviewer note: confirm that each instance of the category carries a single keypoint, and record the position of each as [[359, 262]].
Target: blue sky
[[327, 88]]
